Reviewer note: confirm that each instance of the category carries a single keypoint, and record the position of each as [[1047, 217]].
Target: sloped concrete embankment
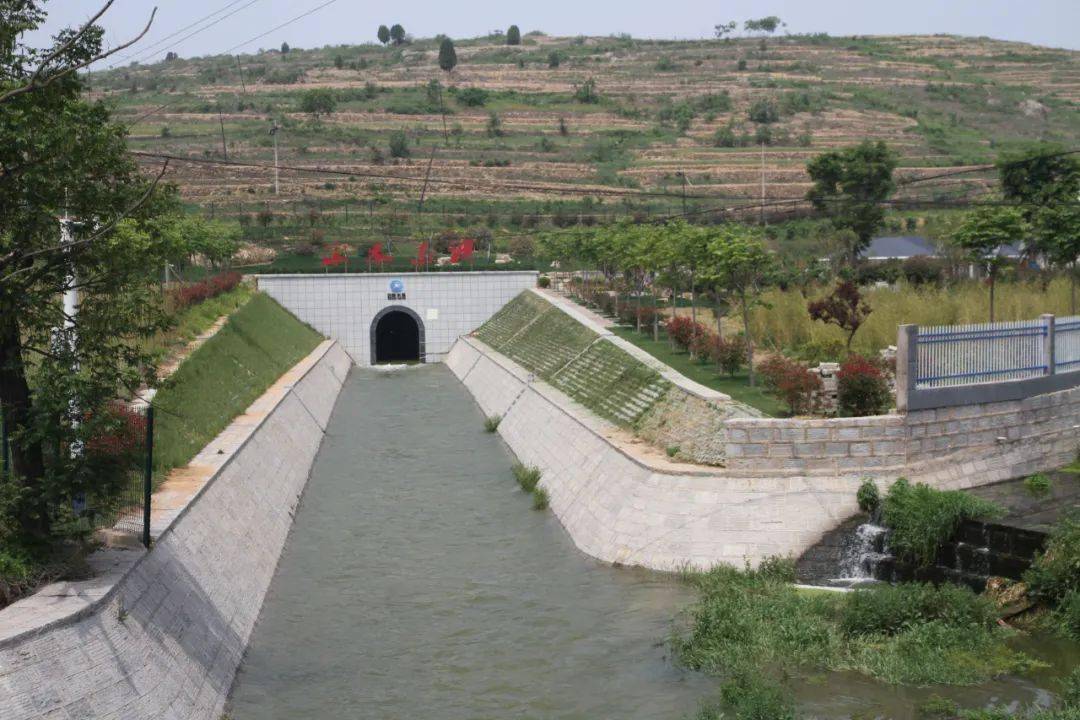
[[785, 484], [625, 506], [166, 639]]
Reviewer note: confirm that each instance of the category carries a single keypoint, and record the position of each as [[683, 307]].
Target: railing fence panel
[[950, 355]]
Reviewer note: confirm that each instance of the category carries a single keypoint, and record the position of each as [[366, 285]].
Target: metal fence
[[1067, 343], [115, 493], [950, 355]]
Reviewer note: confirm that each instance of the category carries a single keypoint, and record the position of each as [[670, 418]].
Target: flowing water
[[418, 583]]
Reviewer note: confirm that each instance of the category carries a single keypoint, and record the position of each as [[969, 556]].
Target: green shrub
[[891, 609], [491, 423], [543, 282], [936, 706], [399, 144], [763, 111], [472, 97], [868, 497], [527, 476], [540, 498], [1037, 484], [921, 518], [1056, 572], [1070, 690]]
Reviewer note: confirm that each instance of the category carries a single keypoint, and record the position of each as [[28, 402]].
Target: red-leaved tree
[[845, 308]]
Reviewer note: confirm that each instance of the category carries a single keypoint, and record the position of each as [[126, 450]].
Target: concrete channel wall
[[786, 483], [165, 639]]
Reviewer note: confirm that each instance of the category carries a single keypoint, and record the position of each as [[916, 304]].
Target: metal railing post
[[148, 474], [907, 365], [1049, 342]]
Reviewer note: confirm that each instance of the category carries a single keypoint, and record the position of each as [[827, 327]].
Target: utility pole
[[273, 132], [241, 69], [762, 183], [224, 148]]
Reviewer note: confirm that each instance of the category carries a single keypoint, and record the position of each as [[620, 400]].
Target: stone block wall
[[166, 640], [827, 446]]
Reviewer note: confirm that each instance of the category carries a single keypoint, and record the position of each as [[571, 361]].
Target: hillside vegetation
[[561, 131]]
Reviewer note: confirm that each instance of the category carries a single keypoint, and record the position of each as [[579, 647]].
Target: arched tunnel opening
[[397, 337]]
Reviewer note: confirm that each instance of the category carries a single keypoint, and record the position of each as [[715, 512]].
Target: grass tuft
[[527, 476], [1037, 485], [540, 498], [491, 423]]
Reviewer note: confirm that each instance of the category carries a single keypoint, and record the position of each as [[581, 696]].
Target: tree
[[383, 34], [285, 48], [850, 186], [63, 155], [399, 144], [1039, 176], [724, 30], [554, 59], [767, 25], [513, 35], [1057, 231], [447, 55], [318, 101], [740, 266], [844, 308], [397, 34], [983, 232]]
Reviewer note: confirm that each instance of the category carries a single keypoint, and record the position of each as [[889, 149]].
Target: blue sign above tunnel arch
[[394, 313]]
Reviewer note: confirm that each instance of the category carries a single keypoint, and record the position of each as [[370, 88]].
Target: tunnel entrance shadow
[[397, 335]]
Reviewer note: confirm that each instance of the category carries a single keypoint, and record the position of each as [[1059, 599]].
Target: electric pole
[[762, 183], [273, 132]]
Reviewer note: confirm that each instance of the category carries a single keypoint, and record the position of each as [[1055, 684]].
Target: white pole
[[68, 336], [274, 132]]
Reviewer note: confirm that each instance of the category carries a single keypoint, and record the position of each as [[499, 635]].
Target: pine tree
[[447, 55]]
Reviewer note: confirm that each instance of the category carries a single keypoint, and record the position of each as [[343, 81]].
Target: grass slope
[[222, 378], [736, 387]]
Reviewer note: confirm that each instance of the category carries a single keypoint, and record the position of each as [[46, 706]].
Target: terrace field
[[585, 130]]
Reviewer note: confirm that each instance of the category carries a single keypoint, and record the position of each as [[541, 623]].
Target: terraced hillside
[[559, 131]]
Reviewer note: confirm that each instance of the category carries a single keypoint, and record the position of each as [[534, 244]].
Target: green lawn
[[736, 387], [218, 381]]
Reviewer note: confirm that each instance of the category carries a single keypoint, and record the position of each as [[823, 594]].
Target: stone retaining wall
[[166, 639], [786, 483]]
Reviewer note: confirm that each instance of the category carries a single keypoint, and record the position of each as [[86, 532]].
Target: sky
[[1052, 23]]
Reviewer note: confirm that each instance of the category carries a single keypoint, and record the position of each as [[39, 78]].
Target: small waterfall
[[861, 553]]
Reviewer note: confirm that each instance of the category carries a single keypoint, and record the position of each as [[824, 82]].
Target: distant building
[[903, 247]]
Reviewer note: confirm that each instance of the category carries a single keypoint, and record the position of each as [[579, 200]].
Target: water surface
[[419, 583]]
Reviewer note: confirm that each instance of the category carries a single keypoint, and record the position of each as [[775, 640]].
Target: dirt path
[[173, 362]]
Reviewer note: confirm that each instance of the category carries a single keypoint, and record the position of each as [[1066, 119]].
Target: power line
[[523, 186], [200, 30], [278, 27], [148, 48]]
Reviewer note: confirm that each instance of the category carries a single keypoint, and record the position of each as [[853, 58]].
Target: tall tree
[[447, 55], [1057, 230], [318, 101], [740, 267], [285, 48], [724, 30], [1038, 176], [397, 34], [850, 186], [513, 35], [983, 232], [63, 156], [383, 34]]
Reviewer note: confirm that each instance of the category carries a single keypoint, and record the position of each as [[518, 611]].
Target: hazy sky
[[1045, 22]]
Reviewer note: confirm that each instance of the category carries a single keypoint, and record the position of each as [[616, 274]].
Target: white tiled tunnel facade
[[449, 304]]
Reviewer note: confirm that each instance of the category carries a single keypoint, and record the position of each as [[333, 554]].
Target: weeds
[[527, 476], [491, 423], [920, 518], [540, 498], [1038, 484]]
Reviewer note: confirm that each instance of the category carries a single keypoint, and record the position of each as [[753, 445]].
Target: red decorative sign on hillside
[[375, 255], [424, 256], [461, 251]]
